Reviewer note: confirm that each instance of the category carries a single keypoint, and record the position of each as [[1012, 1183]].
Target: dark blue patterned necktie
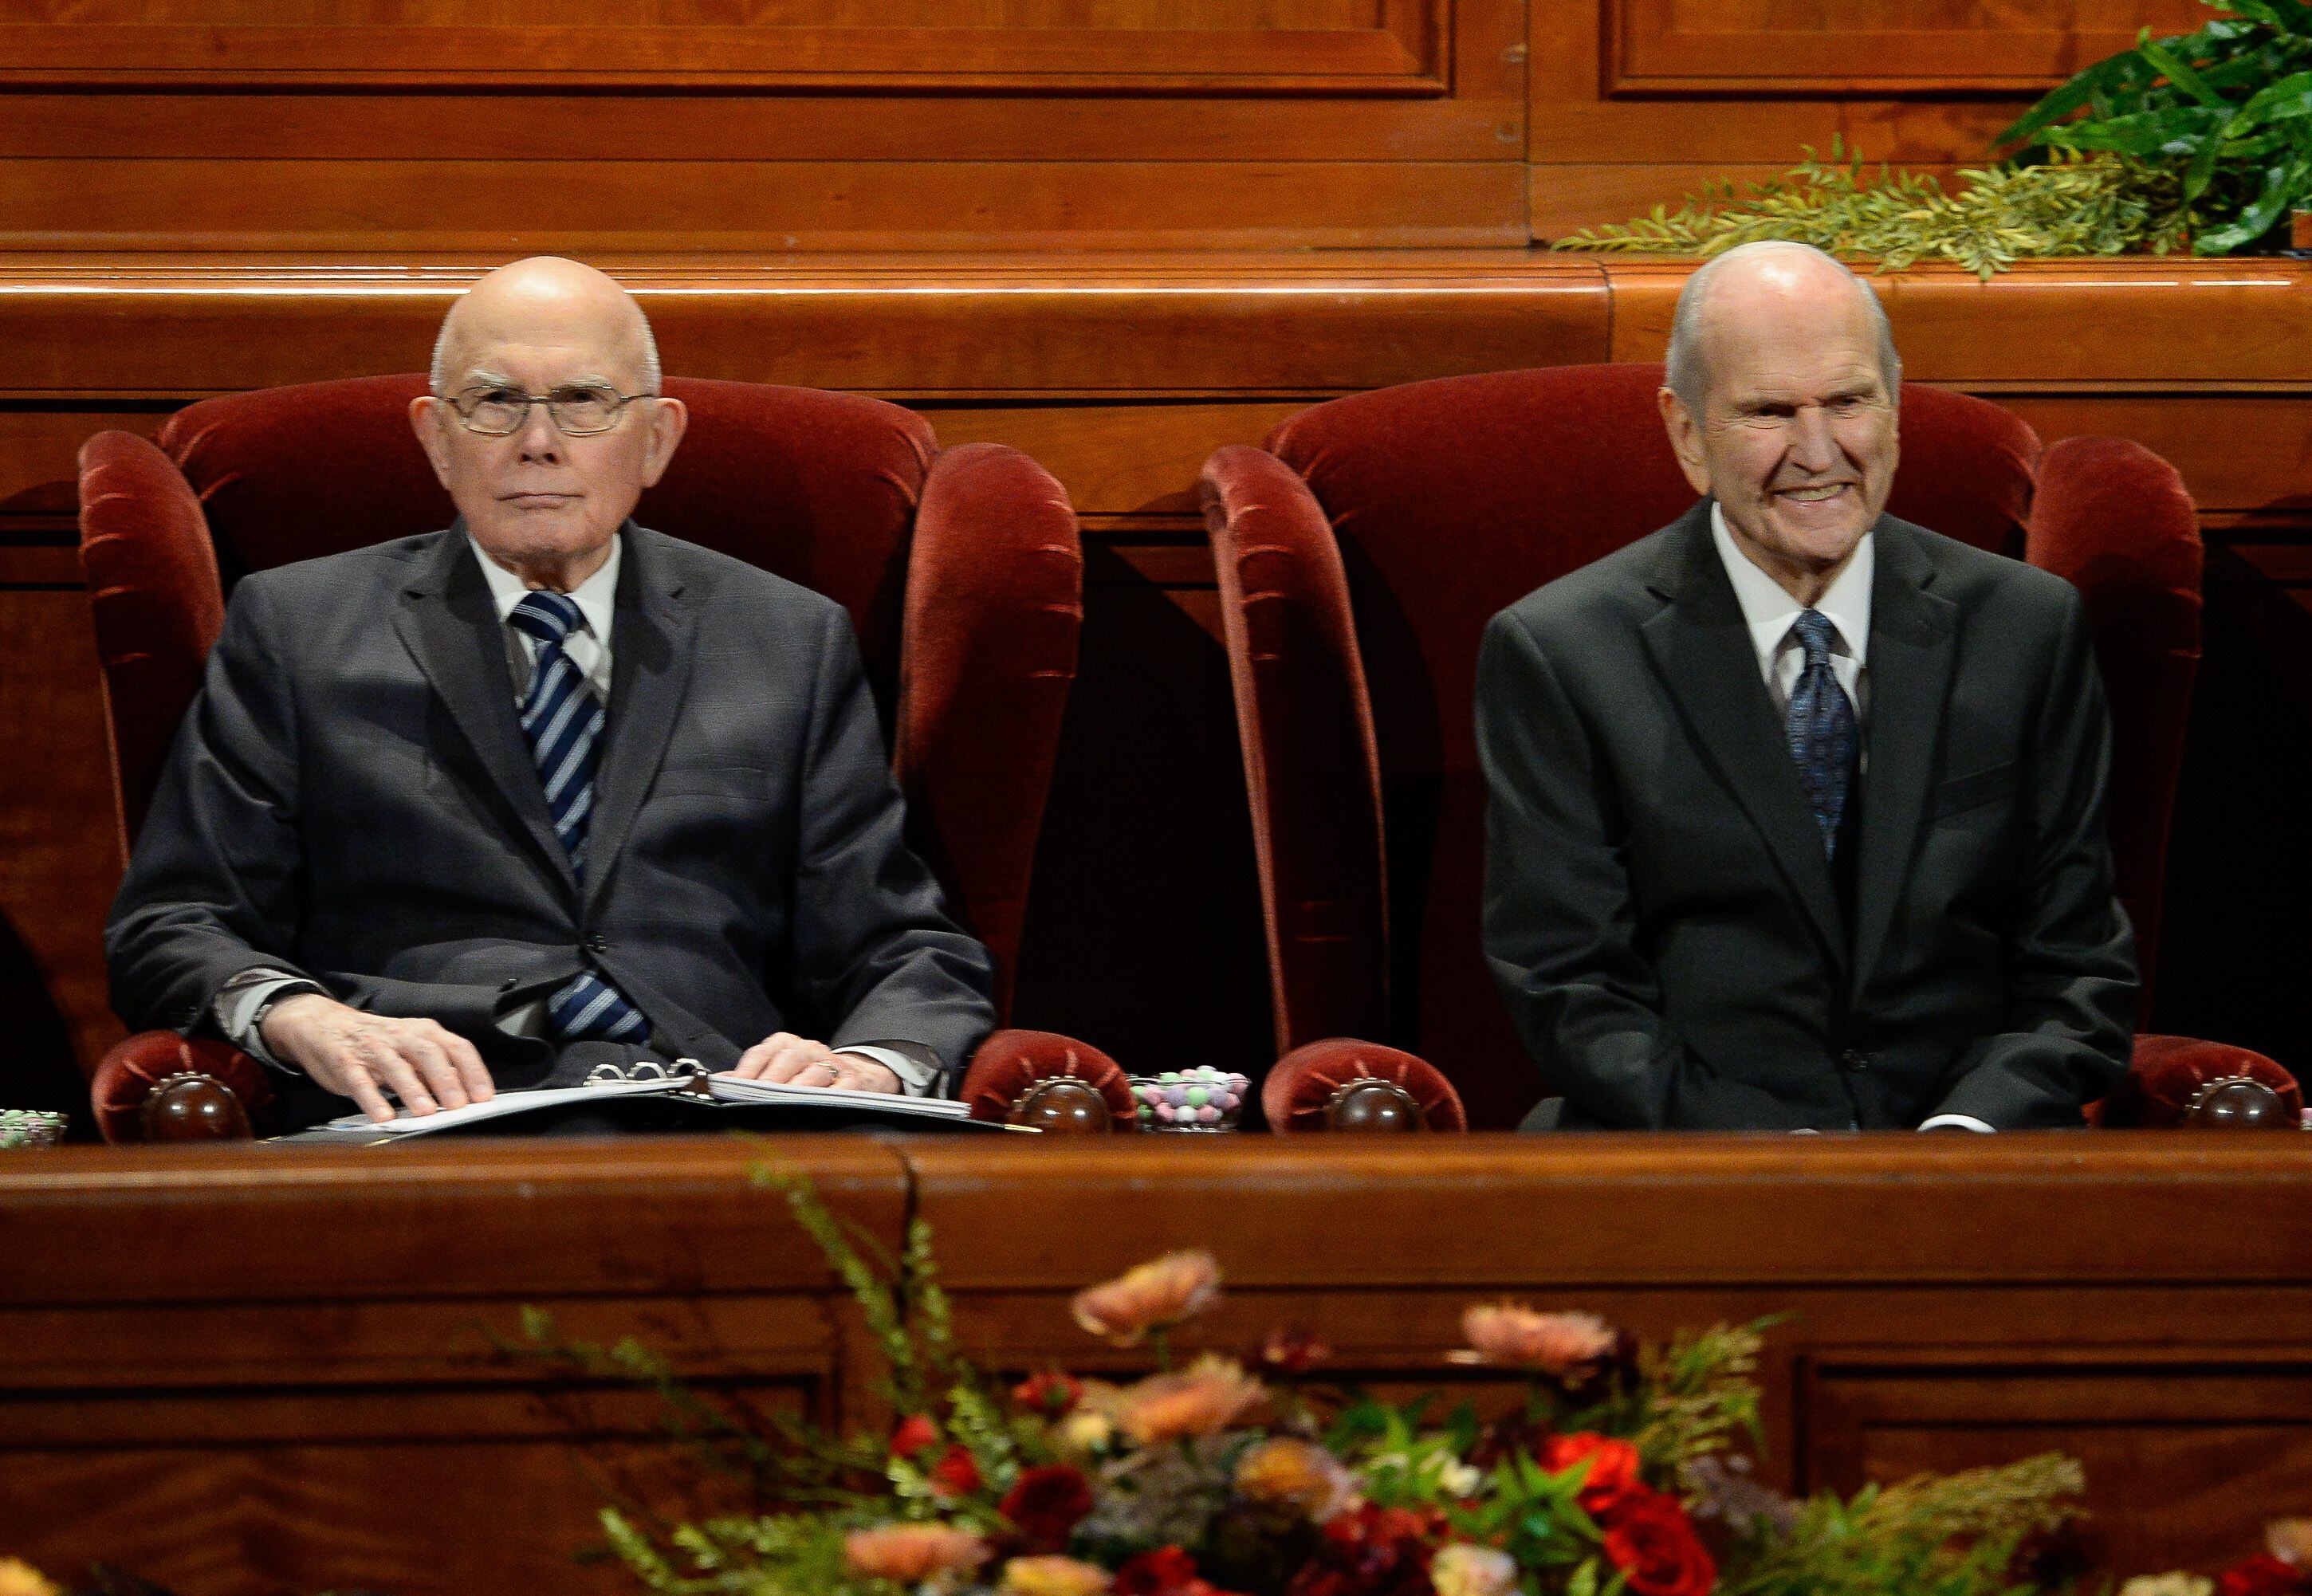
[[562, 721], [1821, 728]]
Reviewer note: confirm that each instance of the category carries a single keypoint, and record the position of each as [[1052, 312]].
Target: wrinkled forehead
[[1793, 347], [544, 343]]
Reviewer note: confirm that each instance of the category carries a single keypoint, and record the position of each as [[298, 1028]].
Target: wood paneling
[[246, 1370], [260, 1372], [1847, 47], [1336, 46]]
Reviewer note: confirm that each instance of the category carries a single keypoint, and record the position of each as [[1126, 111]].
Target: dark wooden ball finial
[[193, 1107], [1372, 1105], [2237, 1102], [1063, 1105]]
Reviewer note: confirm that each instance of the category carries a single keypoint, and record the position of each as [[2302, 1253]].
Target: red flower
[[1046, 1504], [1166, 1572], [1613, 1468], [1372, 1551], [1649, 1538], [955, 1474], [1051, 1393], [913, 1434], [2263, 1574]]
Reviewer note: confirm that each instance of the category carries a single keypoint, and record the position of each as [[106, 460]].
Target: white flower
[[2168, 1584], [1460, 1478]]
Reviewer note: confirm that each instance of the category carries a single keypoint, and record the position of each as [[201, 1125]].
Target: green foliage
[[2071, 204], [1705, 1397], [2228, 108], [1947, 1535], [799, 1555]]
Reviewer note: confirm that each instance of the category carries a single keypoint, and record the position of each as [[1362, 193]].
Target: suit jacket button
[[509, 984], [600, 944], [1851, 1059]]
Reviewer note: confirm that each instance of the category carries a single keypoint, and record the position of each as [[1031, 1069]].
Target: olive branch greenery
[[2202, 141]]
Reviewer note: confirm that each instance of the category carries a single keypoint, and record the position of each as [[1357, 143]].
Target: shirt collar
[[597, 597], [1768, 609]]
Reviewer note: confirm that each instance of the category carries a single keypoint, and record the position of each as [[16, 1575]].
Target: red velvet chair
[[961, 570], [1360, 555]]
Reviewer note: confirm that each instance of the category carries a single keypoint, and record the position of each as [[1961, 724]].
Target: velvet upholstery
[[1361, 554], [961, 573], [132, 1068], [1010, 1062], [2113, 519], [2169, 1070], [1295, 1094]]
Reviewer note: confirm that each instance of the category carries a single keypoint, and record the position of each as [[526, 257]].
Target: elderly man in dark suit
[[1795, 811], [498, 804]]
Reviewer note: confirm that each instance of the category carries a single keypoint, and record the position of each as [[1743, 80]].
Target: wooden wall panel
[[320, 1409], [1846, 46]]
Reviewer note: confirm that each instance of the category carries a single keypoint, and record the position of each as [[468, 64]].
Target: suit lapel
[[1913, 642], [1702, 646], [649, 670], [450, 625]]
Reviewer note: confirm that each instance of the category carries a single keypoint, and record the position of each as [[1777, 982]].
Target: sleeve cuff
[[237, 1003], [1961, 1121], [916, 1078]]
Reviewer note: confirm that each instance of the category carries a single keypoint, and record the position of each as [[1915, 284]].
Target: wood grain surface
[[245, 1371]]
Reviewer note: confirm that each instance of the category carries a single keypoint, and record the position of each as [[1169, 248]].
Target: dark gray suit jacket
[[1660, 915], [350, 797]]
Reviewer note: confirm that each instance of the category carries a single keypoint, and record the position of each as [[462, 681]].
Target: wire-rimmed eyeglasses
[[577, 409]]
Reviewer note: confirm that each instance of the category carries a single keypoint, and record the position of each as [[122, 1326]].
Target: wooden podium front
[[252, 1370]]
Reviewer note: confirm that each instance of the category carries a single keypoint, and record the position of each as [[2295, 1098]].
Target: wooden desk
[[238, 1370]]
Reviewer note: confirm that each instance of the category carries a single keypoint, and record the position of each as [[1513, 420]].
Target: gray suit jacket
[[1660, 915], [350, 797]]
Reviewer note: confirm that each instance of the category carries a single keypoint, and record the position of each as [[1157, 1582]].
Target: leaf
[[2062, 101], [2173, 68], [2282, 184]]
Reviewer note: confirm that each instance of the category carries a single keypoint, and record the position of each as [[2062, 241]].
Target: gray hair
[[1688, 374], [438, 374]]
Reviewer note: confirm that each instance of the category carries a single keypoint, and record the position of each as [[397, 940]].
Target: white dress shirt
[[1771, 613], [588, 645]]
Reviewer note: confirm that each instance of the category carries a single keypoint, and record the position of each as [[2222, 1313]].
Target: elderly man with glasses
[[544, 792]]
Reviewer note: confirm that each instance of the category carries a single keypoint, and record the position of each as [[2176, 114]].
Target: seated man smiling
[[1795, 811], [496, 805]]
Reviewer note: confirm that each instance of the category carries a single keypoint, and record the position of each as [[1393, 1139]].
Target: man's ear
[[670, 418], [426, 418], [1685, 440]]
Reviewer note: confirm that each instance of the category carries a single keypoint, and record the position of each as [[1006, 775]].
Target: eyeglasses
[[577, 409]]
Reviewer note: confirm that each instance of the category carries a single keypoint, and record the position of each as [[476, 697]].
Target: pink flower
[[1511, 1336], [2291, 1542], [910, 1554], [1197, 1401], [1155, 1295], [1294, 1476]]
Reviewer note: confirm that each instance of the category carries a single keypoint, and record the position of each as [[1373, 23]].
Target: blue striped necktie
[[1821, 728], [562, 721]]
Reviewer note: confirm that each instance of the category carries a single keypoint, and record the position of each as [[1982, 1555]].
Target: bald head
[[1774, 278], [547, 299], [545, 421]]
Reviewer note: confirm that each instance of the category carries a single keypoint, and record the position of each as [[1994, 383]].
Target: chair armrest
[[2181, 1081], [995, 602], [1344, 1084], [1311, 763], [159, 1086], [1052, 1081], [2115, 521]]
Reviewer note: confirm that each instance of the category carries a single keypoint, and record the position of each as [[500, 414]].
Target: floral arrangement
[[2201, 141], [2284, 1568], [1625, 1472]]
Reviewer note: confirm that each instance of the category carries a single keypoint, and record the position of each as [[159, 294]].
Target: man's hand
[[786, 1059], [363, 1055]]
